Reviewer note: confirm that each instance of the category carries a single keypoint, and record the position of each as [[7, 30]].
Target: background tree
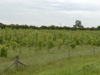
[[51, 27], [93, 28], [98, 27], [43, 27], [78, 24], [1, 23]]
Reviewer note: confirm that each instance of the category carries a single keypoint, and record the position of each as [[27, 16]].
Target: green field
[[45, 52]]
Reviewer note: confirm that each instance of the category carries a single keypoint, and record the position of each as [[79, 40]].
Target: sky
[[50, 12]]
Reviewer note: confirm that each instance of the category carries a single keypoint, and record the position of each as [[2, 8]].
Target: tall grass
[[55, 62]]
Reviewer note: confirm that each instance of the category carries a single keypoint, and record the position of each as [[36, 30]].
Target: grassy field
[[55, 62], [46, 52]]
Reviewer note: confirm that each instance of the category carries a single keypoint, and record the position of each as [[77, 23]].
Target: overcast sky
[[50, 12]]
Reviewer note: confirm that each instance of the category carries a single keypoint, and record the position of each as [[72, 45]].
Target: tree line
[[77, 26]]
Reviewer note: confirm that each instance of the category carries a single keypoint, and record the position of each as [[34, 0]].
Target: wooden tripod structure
[[16, 63]]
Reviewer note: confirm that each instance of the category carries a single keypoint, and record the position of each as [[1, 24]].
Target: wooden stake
[[16, 63], [93, 50], [69, 54], [17, 59]]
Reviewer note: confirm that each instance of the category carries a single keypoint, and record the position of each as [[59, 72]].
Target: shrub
[[73, 44], [3, 51], [59, 43]]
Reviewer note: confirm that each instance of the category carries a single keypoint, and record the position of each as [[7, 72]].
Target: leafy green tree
[[67, 28], [3, 51], [92, 28], [43, 27], [1, 23], [52, 27], [98, 27], [78, 24], [17, 26]]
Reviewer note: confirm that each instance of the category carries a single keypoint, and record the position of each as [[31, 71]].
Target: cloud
[[57, 0], [76, 1], [47, 12], [55, 4]]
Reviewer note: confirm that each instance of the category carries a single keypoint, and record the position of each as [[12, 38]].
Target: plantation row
[[12, 39]]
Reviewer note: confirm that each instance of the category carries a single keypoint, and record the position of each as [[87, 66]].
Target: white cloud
[[75, 12], [47, 12], [76, 1], [55, 4]]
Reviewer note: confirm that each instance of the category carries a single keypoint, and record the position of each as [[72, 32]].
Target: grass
[[82, 61]]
